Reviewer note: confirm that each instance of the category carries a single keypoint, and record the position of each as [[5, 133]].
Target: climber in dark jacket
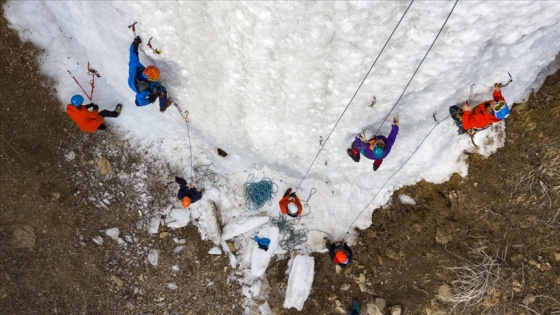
[[187, 192]]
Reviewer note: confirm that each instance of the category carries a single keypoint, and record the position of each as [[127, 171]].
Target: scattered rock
[[557, 256], [338, 269], [517, 257], [222, 152], [376, 307], [558, 280], [231, 246], [104, 166], [442, 236], [118, 281], [153, 257], [113, 233], [444, 291], [435, 308], [54, 196], [392, 253], [24, 237], [97, 240], [395, 310], [163, 234], [345, 286], [529, 299], [381, 303], [516, 285]]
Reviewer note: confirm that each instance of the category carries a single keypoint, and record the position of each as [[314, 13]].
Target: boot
[[118, 109]]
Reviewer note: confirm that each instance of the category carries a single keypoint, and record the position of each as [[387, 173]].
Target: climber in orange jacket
[[486, 113], [89, 121], [290, 204]]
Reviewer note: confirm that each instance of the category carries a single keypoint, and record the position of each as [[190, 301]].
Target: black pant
[[109, 113]]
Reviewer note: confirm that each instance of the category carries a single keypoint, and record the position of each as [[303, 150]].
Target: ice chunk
[[299, 281]]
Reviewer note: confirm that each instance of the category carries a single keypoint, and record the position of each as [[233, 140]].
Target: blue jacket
[[136, 80]]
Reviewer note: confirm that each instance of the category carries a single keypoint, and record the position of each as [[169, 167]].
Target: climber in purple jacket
[[376, 148]]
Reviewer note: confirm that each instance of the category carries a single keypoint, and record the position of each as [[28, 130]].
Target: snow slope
[[268, 81]]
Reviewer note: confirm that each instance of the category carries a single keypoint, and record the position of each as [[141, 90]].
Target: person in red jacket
[[89, 121], [486, 113]]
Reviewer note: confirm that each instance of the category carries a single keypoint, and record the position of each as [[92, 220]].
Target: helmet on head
[[186, 202], [152, 73], [378, 151], [293, 209], [341, 258], [501, 110], [77, 100]]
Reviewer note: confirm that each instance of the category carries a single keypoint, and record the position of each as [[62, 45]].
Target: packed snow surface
[[277, 85]]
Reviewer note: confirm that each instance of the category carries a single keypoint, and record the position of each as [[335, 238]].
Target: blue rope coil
[[257, 194]]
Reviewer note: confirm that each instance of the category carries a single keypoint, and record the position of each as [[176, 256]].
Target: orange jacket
[[478, 117], [87, 121], [287, 200]]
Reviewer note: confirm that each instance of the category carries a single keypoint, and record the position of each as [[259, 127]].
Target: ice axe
[[508, 82], [155, 50], [133, 27]]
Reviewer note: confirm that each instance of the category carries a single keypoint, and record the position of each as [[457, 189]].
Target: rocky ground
[[488, 243]]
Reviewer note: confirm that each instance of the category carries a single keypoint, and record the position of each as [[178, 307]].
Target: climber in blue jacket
[[144, 81]]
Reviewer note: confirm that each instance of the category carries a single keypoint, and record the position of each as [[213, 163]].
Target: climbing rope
[[353, 96], [388, 179], [257, 194], [190, 149], [417, 68], [290, 236]]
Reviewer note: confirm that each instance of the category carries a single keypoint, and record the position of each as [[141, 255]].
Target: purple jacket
[[389, 141]]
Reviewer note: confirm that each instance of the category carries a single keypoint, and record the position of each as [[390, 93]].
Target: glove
[[152, 98], [293, 195], [395, 121], [180, 180], [137, 41]]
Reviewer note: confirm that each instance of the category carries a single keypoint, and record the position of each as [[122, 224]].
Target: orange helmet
[[186, 202], [152, 72], [340, 257]]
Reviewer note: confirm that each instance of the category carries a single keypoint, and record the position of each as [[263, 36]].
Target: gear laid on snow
[[263, 243], [290, 204]]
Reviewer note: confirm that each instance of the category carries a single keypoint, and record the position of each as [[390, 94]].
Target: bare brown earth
[[508, 207]]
